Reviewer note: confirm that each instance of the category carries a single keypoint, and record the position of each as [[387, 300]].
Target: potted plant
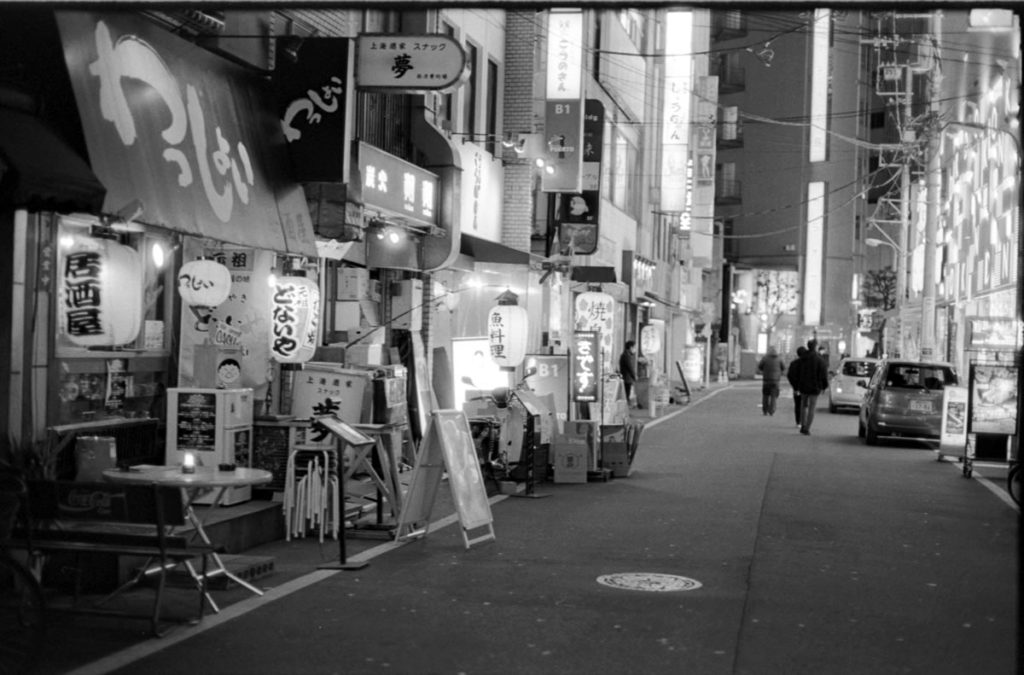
[[20, 460]]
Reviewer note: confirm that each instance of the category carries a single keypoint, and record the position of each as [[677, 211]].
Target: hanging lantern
[[204, 283], [294, 316], [507, 329], [101, 293], [650, 339]]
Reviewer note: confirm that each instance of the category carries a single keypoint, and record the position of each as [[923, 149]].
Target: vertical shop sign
[[677, 85], [578, 212], [314, 108], [596, 312], [563, 109], [586, 367], [704, 129]]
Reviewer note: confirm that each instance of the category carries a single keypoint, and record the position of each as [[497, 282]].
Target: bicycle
[[1013, 482]]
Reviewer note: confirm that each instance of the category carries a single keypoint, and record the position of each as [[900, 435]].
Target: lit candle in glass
[[188, 464]]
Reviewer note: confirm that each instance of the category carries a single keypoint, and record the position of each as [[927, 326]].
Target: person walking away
[[771, 368], [627, 367], [813, 379], [793, 375]]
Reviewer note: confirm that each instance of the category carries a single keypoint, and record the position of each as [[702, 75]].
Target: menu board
[[197, 421], [993, 399]]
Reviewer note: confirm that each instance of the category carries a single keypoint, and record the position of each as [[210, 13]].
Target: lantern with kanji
[[101, 293], [204, 283], [294, 313], [650, 339], [507, 329]]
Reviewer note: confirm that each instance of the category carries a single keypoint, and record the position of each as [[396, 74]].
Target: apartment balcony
[[729, 137], [731, 78], [728, 24], [728, 192]]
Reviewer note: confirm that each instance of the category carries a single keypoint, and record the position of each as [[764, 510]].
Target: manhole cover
[[648, 581]]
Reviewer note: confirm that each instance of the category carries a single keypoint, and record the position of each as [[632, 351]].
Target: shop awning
[[482, 250], [191, 136], [594, 275], [40, 171]]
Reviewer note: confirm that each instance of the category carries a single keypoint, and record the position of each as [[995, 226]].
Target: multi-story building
[[789, 177]]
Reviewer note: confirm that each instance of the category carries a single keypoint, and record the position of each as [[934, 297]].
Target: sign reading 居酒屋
[[408, 63], [586, 367]]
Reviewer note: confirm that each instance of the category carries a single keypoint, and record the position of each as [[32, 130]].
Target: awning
[[191, 136], [482, 250], [594, 275], [40, 171]]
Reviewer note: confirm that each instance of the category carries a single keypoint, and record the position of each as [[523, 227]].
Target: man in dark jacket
[[793, 375], [812, 379], [771, 368], [627, 367]]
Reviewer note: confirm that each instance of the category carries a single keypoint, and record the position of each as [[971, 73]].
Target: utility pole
[[933, 176]]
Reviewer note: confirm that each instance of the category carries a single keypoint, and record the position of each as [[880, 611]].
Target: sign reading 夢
[[586, 367], [396, 185], [408, 63]]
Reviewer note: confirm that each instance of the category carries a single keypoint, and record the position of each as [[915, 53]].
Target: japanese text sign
[[186, 133], [408, 63], [313, 106], [586, 367], [396, 185]]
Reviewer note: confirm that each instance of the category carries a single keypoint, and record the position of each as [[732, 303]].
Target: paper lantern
[[294, 316], [204, 283], [507, 327], [650, 339], [101, 293]]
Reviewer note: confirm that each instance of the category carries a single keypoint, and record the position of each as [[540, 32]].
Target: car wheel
[[860, 429], [832, 407]]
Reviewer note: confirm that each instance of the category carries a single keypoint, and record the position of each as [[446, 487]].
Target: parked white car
[[843, 388]]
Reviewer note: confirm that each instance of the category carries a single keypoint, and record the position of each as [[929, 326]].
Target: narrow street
[[809, 555]]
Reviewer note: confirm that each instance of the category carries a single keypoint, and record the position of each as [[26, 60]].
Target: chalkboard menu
[[197, 421]]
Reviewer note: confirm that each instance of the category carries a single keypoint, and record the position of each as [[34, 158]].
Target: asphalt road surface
[[736, 545]]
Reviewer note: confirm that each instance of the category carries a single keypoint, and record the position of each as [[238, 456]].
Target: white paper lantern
[[507, 328], [650, 339], [204, 283], [101, 293], [294, 317]]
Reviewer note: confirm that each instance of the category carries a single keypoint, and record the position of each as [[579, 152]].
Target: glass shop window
[[111, 315]]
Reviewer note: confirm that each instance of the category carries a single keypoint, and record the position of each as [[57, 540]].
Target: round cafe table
[[192, 485]]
